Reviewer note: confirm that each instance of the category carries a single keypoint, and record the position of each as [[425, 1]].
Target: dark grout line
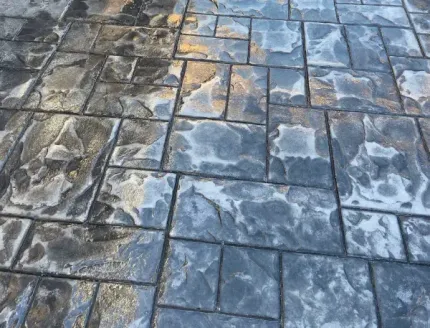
[[375, 296], [281, 292], [92, 305], [423, 139], [267, 127], [227, 98], [219, 284], [404, 238], [30, 303]]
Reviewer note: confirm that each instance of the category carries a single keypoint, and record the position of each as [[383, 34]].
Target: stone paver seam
[[420, 131], [218, 291], [404, 238], [227, 98], [92, 305], [32, 297], [281, 293], [267, 126], [375, 294], [413, 28], [344, 34], [305, 67], [216, 26], [375, 210], [248, 56]]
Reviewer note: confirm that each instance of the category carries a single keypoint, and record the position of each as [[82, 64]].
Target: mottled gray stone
[[204, 90], [321, 291], [218, 148], [413, 80], [276, 43], [367, 48], [116, 12], [257, 214], [233, 27], [122, 306], [12, 232], [355, 2], [403, 294], [42, 28], [158, 71], [56, 167], [190, 275], [161, 13], [135, 41], [24, 55], [66, 83], [128, 100], [9, 27], [216, 49], [417, 235], [418, 6], [400, 42], [118, 69], [33, 8], [353, 90], [11, 125], [14, 86], [421, 23], [80, 37], [425, 42], [167, 318], [287, 87], [425, 128], [298, 147], [326, 45], [199, 24], [140, 144], [373, 235], [380, 163], [383, 2], [250, 282], [313, 10], [134, 198], [375, 15], [61, 303], [97, 252], [16, 291], [248, 94]]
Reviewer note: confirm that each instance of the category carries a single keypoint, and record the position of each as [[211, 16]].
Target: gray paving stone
[[367, 48], [118, 69], [56, 167], [97, 252], [122, 306], [257, 214], [374, 235], [116, 12], [134, 198], [129, 100], [198, 24], [66, 83], [298, 147], [425, 128], [12, 232], [218, 148], [135, 41], [15, 298], [24, 55], [421, 22], [158, 71], [32, 8], [204, 90], [140, 144], [313, 10], [215, 49], [417, 6], [276, 43], [14, 86], [380, 163], [248, 94], [413, 80], [161, 13], [374, 15], [42, 28], [417, 235], [383, 2], [9, 27], [425, 42], [166, 318], [80, 37], [233, 27], [61, 303], [326, 45], [190, 275], [353, 90], [403, 294], [400, 42], [250, 282], [353, 2], [287, 87], [321, 291]]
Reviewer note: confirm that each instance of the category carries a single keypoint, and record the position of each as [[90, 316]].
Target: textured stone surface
[[417, 235], [118, 69], [248, 94], [10, 27], [380, 163], [313, 10], [400, 42], [14, 86], [287, 87], [373, 235], [198, 24], [61, 303], [250, 282], [32, 8], [217, 148], [403, 294], [12, 232], [298, 147], [425, 42], [353, 90], [42, 28], [158, 71], [161, 13], [321, 291], [204, 90], [190, 275], [80, 37], [425, 128], [256, 214], [95, 252], [421, 22], [24, 55], [134, 197], [417, 6], [140, 144], [233, 27], [372, 15]]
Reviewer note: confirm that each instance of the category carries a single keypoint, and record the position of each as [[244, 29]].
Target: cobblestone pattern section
[[214, 163]]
